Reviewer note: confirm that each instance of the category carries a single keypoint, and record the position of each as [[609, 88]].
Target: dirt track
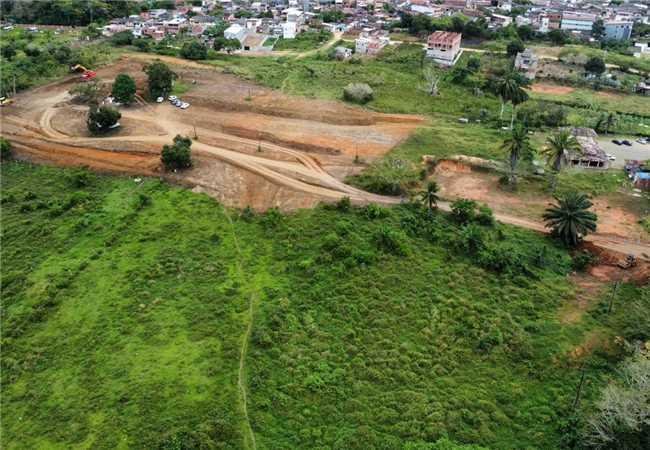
[[256, 147]]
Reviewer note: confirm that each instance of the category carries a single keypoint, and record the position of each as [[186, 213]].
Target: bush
[[470, 240], [463, 210], [102, 119], [177, 156], [358, 93], [582, 260], [485, 216], [194, 50], [80, 178], [515, 47], [122, 38], [124, 89], [344, 204], [391, 241], [88, 93], [5, 149], [595, 65]]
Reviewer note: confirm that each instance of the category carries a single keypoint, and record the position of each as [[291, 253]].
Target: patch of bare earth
[[548, 88]]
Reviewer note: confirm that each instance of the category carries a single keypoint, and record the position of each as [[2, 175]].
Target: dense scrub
[[126, 304]]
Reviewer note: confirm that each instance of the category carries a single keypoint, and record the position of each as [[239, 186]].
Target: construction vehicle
[[86, 75]]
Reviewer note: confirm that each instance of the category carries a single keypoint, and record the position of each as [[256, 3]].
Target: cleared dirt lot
[[255, 146]]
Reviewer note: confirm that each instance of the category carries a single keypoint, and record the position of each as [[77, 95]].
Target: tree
[[595, 65], [88, 93], [598, 29], [122, 38], [124, 89], [5, 149], [102, 119], [194, 50], [509, 88], [570, 219], [178, 155], [92, 31], [525, 32], [515, 47], [605, 122], [161, 79], [430, 196], [558, 149], [558, 37], [517, 146], [229, 45]]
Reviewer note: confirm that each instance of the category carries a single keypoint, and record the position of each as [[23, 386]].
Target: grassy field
[[308, 40], [126, 306]]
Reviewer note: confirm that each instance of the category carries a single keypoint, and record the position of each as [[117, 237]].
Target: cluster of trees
[[75, 12], [177, 156], [102, 119], [160, 79]]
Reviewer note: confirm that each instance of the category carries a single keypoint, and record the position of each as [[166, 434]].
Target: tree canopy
[[124, 89], [178, 155], [161, 79], [101, 119]]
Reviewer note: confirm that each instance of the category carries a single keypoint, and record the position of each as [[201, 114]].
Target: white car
[[642, 141], [173, 98], [610, 157], [185, 105], [160, 100]]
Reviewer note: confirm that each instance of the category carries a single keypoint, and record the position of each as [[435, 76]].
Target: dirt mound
[[545, 88]]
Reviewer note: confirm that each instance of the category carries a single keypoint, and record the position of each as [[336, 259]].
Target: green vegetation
[[29, 59], [571, 220], [177, 156], [102, 119], [623, 61], [194, 50], [5, 149], [124, 89], [126, 305], [180, 87], [160, 79], [307, 40]]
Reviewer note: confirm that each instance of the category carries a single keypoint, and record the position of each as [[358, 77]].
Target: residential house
[[235, 31], [444, 47], [370, 43], [592, 155], [641, 50], [526, 63]]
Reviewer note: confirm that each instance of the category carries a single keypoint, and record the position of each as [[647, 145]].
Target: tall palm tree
[[509, 87], [571, 219], [430, 195], [518, 96], [517, 146], [559, 147]]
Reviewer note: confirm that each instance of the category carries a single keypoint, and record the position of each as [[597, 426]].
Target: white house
[[289, 30], [235, 31]]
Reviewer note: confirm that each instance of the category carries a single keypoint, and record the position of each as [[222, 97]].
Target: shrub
[[595, 65], [358, 93], [194, 50], [5, 149], [514, 47], [374, 211], [485, 216], [88, 93], [470, 240], [124, 89], [463, 210], [80, 178], [391, 241], [102, 119], [178, 155], [582, 260], [122, 38], [344, 204]]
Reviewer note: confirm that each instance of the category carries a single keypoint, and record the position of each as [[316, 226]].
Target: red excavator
[[86, 75]]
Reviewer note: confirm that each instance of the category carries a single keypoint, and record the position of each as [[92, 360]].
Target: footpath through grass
[[126, 307]]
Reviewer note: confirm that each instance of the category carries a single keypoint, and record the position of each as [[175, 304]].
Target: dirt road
[[253, 147]]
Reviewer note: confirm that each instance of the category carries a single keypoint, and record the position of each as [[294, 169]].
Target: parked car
[[642, 141], [626, 142], [185, 105], [160, 100], [172, 98], [610, 157], [616, 141]]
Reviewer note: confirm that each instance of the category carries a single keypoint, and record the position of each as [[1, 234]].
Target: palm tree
[[430, 195], [519, 96], [509, 87], [559, 147], [517, 145], [571, 219]]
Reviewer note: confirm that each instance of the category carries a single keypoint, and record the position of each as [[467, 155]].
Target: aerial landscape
[[332, 224]]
